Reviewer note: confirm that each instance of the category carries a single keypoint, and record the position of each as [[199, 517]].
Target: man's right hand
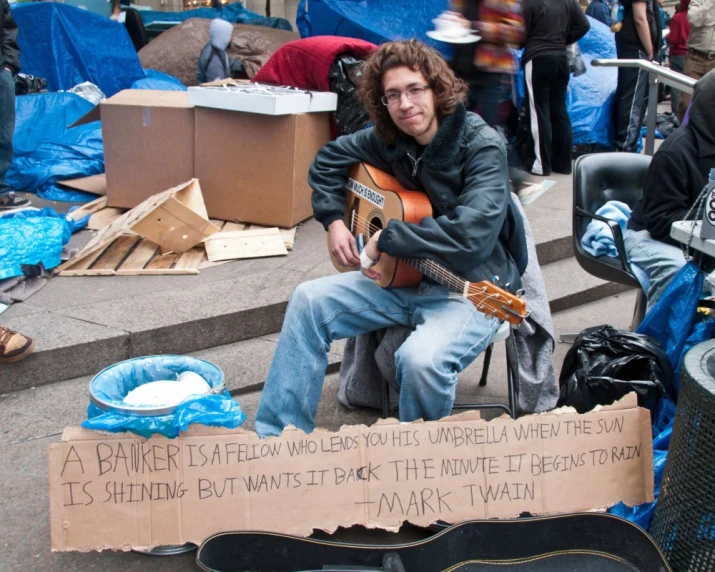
[[342, 244]]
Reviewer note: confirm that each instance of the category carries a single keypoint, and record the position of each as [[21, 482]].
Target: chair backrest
[[597, 179]]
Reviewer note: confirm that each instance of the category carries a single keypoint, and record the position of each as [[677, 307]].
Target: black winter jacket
[[550, 26], [9, 50], [475, 231]]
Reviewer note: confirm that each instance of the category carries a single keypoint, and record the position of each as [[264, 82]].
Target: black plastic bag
[[344, 74], [604, 364], [27, 84]]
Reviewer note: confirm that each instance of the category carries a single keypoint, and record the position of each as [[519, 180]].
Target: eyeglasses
[[394, 97]]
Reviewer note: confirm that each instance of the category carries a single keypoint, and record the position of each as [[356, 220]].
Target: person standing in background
[[677, 40], [9, 66], [639, 38], [550, 25], [700, 57], [600, 10], [489, 65]]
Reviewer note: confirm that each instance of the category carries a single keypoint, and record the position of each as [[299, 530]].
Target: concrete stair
[[83, 324]]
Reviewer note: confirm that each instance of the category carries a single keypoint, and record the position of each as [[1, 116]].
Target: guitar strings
[[438, 270]]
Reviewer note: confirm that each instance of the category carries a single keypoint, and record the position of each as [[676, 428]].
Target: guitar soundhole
[[377, 222]]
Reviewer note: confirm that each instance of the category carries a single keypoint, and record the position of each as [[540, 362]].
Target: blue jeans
[[449, 334], [7, 125], [660, 261]]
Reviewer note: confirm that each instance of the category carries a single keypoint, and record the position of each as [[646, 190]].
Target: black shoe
[[11, 202]]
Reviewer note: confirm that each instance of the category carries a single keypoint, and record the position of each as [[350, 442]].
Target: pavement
[[229, 315]]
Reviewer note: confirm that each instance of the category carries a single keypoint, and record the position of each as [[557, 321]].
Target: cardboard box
[[254, 168], [148, 143], [123, 491], [260, 98]]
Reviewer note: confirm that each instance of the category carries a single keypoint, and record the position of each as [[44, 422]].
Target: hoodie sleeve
[[579, 24], [329, 172], [467, 237], [10, 49]]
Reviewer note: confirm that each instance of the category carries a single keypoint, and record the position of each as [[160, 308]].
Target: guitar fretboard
[[438, 273]]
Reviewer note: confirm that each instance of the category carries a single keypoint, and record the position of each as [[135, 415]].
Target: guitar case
[[577, 543]]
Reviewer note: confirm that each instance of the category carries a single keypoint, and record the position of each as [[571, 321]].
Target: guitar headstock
[[489, 299]]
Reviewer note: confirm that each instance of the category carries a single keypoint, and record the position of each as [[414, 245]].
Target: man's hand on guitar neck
[[342, 244]]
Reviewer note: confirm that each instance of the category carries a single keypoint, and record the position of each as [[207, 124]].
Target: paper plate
[[466, 39]]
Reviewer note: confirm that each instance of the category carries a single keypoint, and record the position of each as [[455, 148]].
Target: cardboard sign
[[124, 491]]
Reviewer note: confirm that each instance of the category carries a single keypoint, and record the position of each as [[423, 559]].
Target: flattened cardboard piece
[[176, 220], [245, 244], [122, 491], [95, 184]]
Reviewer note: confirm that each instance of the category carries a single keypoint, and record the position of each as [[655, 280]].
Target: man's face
[[416, 115]]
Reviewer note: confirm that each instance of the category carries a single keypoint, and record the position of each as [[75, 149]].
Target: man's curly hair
[[448, 90]]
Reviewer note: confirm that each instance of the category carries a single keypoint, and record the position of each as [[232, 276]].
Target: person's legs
[[625, 88], [660, 261], [676, 64], [320, 311], [537, 76], [694, 67], [562, 138], [7, 126], [8, 200], [639, 105], [486, 92], [450, 333]]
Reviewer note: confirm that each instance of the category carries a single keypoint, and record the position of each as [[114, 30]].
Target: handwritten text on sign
[[159, 491]]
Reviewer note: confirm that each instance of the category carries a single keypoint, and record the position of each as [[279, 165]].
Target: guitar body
[[373, 198]]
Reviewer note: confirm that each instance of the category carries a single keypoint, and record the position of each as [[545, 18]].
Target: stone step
[[85, 339]]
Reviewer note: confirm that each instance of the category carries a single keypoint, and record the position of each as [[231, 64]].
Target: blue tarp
[[47, 150], [234, 13], [159, 81], [375, 21], [68, 46], [32, 237]]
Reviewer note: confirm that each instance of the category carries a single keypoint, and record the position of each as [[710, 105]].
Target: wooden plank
[[245, 244], [81, 263], [288, 235], [89, 208], [157, 271], [191, 259], [139, 257], [233, 226], [104, 217], [115, 253], [87, 273], [206, 263], [162, 262]]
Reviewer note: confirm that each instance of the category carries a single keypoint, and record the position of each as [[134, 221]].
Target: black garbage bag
[[604, 364], [350, 116], [26, 84]]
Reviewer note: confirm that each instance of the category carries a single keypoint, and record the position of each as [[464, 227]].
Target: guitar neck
[[439, 274]]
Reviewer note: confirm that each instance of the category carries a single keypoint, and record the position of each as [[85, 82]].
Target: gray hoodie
[[214, 63]]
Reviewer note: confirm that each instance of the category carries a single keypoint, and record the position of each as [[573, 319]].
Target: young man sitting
[[425, 138]]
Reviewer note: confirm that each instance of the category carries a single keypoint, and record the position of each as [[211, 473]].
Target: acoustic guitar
[[373, 198]]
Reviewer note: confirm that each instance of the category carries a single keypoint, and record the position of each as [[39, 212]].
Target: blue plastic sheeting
[[46, 150], [375, 21], [234, 13], [68, 46], [591, 95], [113, 384], [32, 237], [159, 81]]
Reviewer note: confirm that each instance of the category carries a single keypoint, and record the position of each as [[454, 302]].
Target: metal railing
[[656, 74]]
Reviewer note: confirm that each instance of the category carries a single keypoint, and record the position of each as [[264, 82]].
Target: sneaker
[[14, 346], [11, 201]]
